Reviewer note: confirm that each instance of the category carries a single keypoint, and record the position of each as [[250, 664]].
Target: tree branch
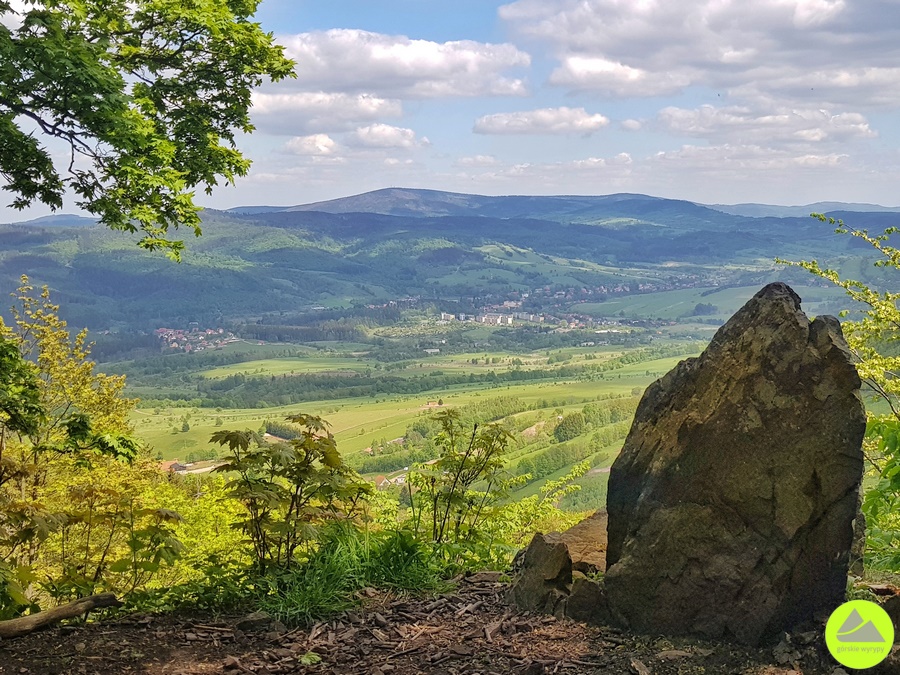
[[24, 625]]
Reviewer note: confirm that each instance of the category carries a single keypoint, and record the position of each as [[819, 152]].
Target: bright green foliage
[[72, 513], [20, 397], [109, 536], [454, 495], [516, 522], [874, 339], [146, 96], [882, 503], [288, 489], [83, 412]]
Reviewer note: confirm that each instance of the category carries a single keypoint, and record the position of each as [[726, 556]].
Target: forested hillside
[[285, 261]]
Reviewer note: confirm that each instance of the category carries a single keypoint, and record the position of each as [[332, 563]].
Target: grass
[[358, 422], [290, 365], [347, 561]]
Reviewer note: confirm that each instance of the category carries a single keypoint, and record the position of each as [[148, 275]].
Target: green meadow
[[358, 423]]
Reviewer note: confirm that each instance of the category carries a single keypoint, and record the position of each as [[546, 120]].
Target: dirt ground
[[470, 630]]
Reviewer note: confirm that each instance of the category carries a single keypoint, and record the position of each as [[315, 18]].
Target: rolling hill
[[389, 244]]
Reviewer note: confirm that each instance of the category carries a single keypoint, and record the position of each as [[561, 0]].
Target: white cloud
[[543, 121], [601, 74], [631, 125], [783, 128], [317, 111], [314, 145], [386, 136], [350, 60], [477, 160], [14, 18], [745, 160], [835, 52]]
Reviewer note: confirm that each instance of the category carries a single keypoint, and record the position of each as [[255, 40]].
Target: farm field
[[358, 423], [291, 365], [465, 363]]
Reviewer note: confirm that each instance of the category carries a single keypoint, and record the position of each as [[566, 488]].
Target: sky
[[716, 101]]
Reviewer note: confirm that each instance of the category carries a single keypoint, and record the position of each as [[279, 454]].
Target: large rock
[[559, 572], [731, 505]]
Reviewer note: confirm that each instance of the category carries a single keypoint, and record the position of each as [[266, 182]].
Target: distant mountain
[[771, 210], [415, 203], [59, 220], [259, 262], [251, 210]]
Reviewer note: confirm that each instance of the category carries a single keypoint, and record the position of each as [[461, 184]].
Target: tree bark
[[24, 625]]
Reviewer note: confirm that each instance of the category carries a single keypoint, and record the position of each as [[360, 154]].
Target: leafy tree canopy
[[146, 97]]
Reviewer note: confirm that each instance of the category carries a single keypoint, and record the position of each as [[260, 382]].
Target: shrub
[[288, 489]]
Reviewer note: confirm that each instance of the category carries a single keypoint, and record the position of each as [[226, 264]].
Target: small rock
[[807, 638], [483, 577], [232, 663], [80, 647], [533, 668], [257, 621], [639, 668], [785, 652], [276, 630]]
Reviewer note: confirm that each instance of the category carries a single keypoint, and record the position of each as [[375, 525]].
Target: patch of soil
[[470, 630], [533, 430]]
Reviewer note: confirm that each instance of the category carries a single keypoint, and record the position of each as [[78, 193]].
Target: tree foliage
[[288, 489], [146, 97], [452, 496], [74, 515], [874, 339], [570, 426]]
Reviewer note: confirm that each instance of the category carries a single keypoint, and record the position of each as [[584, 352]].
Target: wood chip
[[639, 667], [440, 602], [670, 654], [471, 607]]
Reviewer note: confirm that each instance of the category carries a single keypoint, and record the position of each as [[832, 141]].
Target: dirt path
[[470, 630]]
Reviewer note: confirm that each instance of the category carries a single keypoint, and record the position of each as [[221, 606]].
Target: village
[[194, 339]]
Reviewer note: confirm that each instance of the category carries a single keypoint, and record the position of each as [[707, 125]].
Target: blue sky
[[717, 101]]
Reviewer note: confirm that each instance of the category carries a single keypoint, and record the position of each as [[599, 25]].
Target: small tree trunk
[[24, 625]]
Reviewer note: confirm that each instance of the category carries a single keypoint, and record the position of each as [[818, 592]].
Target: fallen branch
[[24, 625]]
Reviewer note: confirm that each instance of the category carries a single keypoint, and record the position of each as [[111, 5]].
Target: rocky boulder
[[559, 571], [731, 505]]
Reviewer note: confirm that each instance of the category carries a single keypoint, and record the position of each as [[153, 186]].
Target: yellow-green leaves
[[872, 339]]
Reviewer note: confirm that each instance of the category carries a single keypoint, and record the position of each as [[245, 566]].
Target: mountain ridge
[[420, 202]]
